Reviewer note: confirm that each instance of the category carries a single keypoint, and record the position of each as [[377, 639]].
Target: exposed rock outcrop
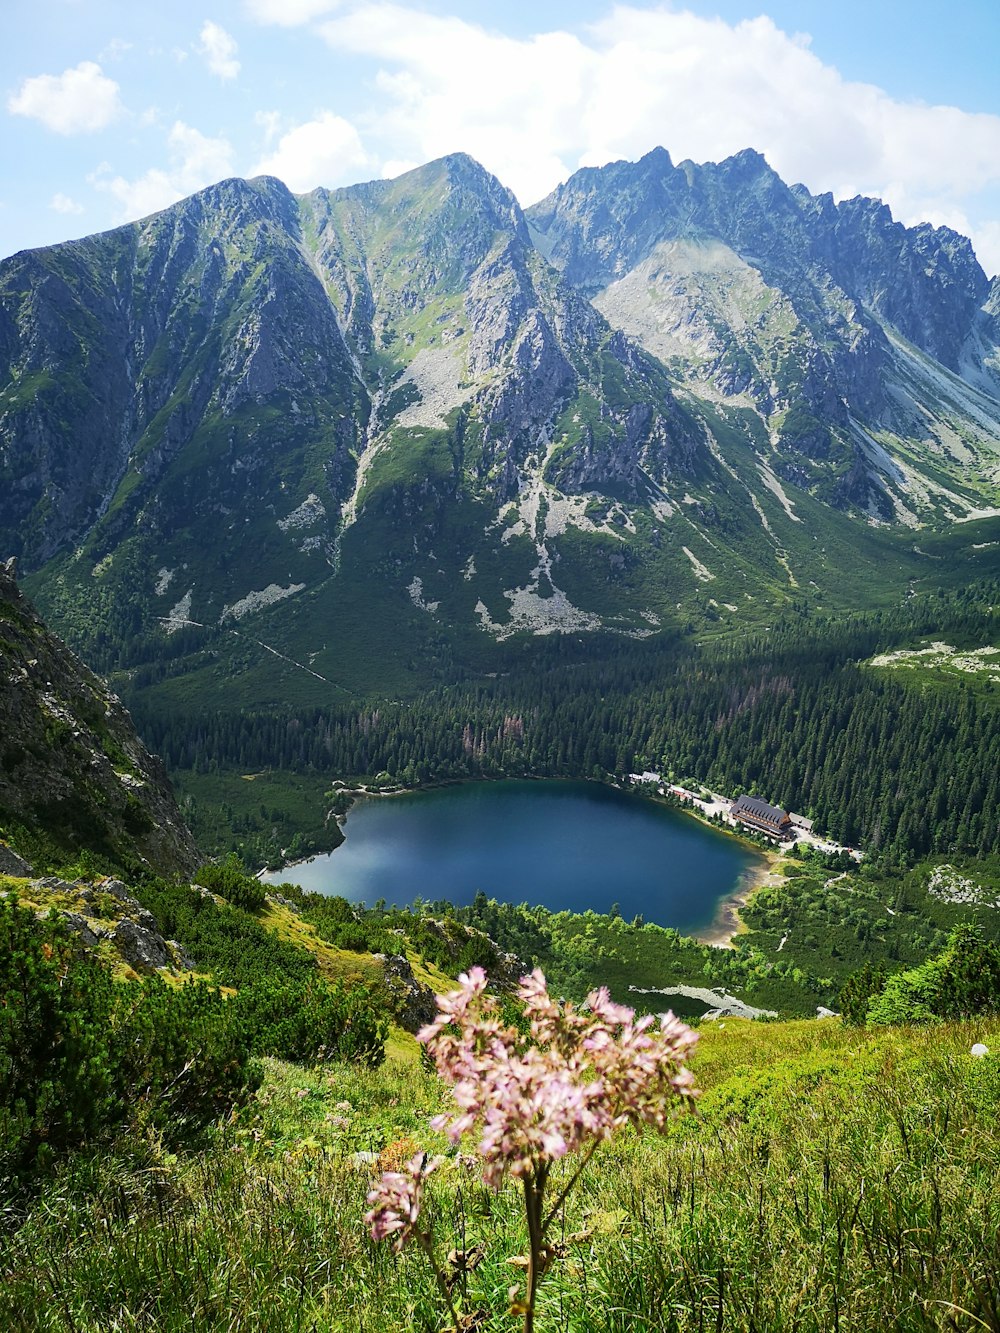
[[74, 776], [414, 1003], [105, 916]]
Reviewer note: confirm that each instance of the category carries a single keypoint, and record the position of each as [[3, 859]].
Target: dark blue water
[[564, 845]]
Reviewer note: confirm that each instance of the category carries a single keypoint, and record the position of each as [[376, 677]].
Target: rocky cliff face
[[74, 776], [451, 314], [250, 415], [188, 363], [925, 281], [823, 315]]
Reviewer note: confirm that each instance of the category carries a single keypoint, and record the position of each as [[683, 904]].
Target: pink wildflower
[[585, 1073], [582, 1074], [396, 1201]]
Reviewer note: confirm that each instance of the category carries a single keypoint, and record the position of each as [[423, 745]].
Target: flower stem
[[427, 1245], [534, 1186], [564, 1195]]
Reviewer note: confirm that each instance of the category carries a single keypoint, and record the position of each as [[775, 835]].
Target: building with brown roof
[[756, 814]]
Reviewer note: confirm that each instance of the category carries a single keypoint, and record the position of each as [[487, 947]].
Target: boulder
[[416, 1005], [141, 947], [12, 864]]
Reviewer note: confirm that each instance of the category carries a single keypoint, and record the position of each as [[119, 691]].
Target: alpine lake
[[567, 846]]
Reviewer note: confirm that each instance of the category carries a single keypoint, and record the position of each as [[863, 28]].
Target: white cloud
[[532, 110], [78, 101], [270, 123], [325, 151], [115, 49], [62, 203], [396, 166], [219, 49], [289, 13], [195, 161], [448, 85]]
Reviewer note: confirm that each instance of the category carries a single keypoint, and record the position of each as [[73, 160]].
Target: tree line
[[793, 714]]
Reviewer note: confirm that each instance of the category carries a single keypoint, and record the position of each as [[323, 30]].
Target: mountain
[[74, 775], [348, 439], [868, 350]]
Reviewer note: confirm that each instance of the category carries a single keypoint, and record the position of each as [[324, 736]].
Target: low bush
[[961, 982], [301, 1020], [81, 1055], [229, 879]]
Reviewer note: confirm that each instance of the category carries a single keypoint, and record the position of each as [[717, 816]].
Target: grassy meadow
[[832, 1179]]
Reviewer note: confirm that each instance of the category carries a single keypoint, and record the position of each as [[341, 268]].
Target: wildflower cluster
[[581, 1074], [396, 1201], [584, 1073]]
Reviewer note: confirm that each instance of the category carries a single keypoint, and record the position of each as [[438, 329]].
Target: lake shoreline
[[727, 922], [688, 883]]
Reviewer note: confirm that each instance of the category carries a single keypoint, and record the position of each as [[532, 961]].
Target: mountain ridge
[[480, 420]]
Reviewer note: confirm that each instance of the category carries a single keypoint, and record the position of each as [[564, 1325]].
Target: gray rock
[[41, 685], [416, 1005], [84, 926], [117, 889], [141, 947], [12, 864], [182, 959]]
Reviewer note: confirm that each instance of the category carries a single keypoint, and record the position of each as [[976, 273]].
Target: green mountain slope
[[74, 776], [352, 441]]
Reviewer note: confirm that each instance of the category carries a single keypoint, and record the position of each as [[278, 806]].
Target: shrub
[[179, 1054], [227, 940], [961, 982], [57, 1085], [81, 1055], [298, 1020], [229, 879], [858, 991]]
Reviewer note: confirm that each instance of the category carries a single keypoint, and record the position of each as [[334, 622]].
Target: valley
[[398, 487]]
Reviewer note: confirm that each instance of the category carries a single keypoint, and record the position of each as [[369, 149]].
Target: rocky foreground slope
[[74, 775]]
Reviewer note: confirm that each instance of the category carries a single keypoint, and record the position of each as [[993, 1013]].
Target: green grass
[[831, 1180]]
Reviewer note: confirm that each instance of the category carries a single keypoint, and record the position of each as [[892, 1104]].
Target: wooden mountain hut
[[763, 818]]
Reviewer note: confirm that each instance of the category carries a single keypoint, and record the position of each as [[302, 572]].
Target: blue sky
[[114, 108]]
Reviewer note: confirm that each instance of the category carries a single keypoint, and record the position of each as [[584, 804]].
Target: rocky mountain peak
[[255, 405]]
